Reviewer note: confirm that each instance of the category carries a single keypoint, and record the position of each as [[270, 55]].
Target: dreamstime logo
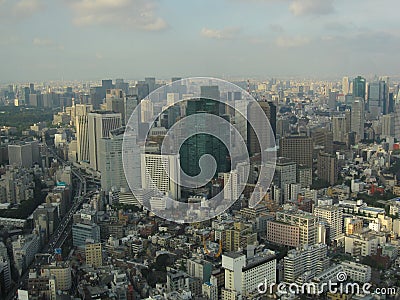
[[206, 128], [341, 276], [318, 288]]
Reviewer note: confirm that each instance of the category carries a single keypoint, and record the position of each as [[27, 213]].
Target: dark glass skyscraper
[[200, 144], [359, 86]]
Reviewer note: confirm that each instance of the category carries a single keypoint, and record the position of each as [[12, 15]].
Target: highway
[[64, 228]]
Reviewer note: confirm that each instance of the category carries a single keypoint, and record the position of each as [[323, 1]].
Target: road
[[63, 230]]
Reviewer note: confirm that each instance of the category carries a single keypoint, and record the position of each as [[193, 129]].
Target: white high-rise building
[[24, 154], [339, 128], [231, 188], [24, 250], [300, 265], [100, 123], [82, 136], [244, 274], [146, 111], [159, 172], [346, 86], [333, 216], [110, 161], [358, 118]]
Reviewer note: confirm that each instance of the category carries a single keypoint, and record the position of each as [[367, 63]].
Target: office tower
[[359, 87], [159, 172], [198, 145], [377, 101], [345, 85], [353, 225], [100, 123], [199, 268], [82, 134], [285, 173], [130, 104], [231, 186], [36, 100], [83, 232], [244, 274], [307, 224], [24, 154], [283, 234], [292, 192], [24, 250], [304, 176], [332, 100], [388, 122], [5, 275], [340, 128], [142, 90], [328, 167], [107, 84], [298, 148], [333, 216], [115, 102], [94, 254], [210, 92], [120, 84], [110, 161], [146, 111], [309, 260], [25, 96], [151, 82], [62, 273], [32, 88], [357, 118], [239, 237], [256, 121], [45, 218], [323, 138], [397, 120]]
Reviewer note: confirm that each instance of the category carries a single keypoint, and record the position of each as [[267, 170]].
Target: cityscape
[[210, 150]]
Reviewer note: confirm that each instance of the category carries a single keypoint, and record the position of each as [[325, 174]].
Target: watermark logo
[[341, 286], [206, 125], [341, 276]]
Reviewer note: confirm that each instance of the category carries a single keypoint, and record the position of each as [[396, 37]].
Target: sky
[[94, 39]]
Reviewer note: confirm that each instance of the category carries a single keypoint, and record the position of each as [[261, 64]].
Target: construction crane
[[218, 254]]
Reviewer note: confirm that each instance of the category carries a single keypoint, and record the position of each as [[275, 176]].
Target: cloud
[[11, 9], [311, 7], [291, 42], [42, 42], [47, 43], [220, 34], [137, 14]]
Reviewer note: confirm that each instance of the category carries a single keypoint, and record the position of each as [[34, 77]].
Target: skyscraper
[[110, 161], [359, 87], [100, 123], [198, 145], [285, 173], [82, 134], [345, 85], [159, 172], [269, 109], [333, 216], [377, 102], [327, 167], [115, 102], [357, 118], [299, 148]]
